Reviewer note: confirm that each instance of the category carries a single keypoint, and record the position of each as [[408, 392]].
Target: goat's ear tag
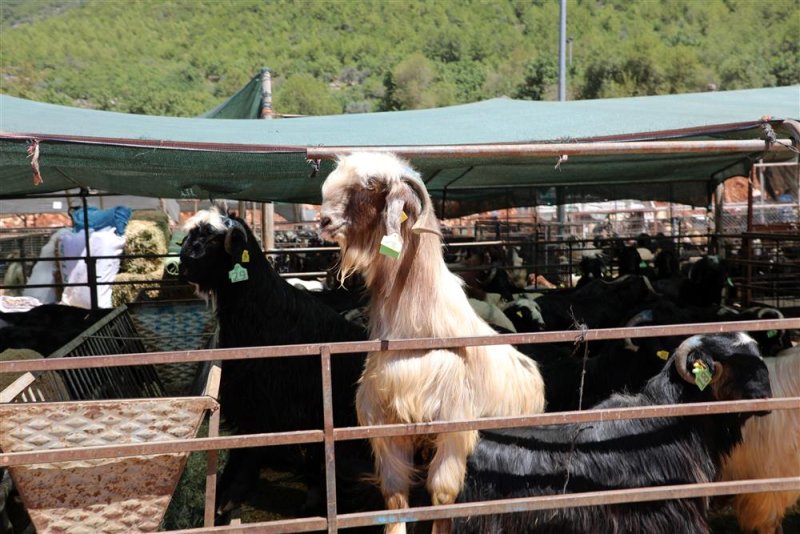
[[771, 333], [643, 264], [663, 354], [238, 274], [702, 375], [391, 245], [245, 256], [729, 281], [519, 313], [403, 217]]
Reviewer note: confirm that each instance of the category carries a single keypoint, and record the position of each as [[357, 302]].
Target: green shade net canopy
[[266, 160]]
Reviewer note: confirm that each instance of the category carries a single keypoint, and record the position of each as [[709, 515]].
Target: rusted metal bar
[[547, 502], [570, 500], [556, 418], [328, 432], [212, 455], [416, 429], [91, 266], [747, 242], [521, 150], [160, 447], [306, 524], [400, 344]]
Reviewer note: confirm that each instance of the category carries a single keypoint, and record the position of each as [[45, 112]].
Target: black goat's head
[[734, 367], [215, 250]]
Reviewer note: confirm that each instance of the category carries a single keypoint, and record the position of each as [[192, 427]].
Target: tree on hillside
[[409, 85], [540, 75], [303, 94]]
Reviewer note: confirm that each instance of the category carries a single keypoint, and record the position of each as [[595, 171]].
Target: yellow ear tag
[[391, 245], [702, 375], [663, 354], [245, 256], [519, 313], [403, 217]]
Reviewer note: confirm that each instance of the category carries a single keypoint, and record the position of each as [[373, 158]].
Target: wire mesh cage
[[115, 405]]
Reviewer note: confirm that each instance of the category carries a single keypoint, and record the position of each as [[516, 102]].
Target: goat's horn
[[682, 355], [644, 316], [777, 314], [233, 226], [426, 220]]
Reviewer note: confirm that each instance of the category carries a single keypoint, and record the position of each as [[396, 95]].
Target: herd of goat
[[370, 202], [377, 209]]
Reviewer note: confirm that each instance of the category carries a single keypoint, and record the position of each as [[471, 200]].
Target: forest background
[[183, 57]]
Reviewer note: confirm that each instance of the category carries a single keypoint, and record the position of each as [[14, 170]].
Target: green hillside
[[182, 57]]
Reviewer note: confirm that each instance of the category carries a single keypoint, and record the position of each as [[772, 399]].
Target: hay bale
[[125, 293], [143, 237], [158, 217]]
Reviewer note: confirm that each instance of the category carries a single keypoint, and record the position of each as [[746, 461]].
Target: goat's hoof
[[227, 513]]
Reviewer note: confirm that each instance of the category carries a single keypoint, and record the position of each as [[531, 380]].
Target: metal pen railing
[[328, 435]]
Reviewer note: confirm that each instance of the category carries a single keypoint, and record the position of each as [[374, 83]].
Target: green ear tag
[[729, 281], [643, 265], [663, 354], [238, 274], [772, 333], [391, 245], [702, 375]]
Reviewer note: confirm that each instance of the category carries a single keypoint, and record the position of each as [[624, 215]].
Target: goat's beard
[[351, 262], [356, 258], [209, 297]]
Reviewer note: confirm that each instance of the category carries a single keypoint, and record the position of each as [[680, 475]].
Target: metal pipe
[[562, 52], [521, 150], [266, 94], [91, 267], [570, 500], [545, 502], [9, 459], [328, 434], [277, 351]]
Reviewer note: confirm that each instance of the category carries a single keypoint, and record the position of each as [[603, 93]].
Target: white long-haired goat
[[373, 195], [770, 448]]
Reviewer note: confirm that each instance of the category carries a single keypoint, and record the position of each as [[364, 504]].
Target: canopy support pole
[[556, 150], [268, 225], [91, 266], [719, 226]]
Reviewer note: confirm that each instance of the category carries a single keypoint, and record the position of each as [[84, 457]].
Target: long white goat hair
[[770, 448], [416, 296]]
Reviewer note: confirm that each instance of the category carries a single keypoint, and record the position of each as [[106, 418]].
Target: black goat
[[623, 454], [590, 268], [45, 328], [700, 285], [598, 304], [255, 307]]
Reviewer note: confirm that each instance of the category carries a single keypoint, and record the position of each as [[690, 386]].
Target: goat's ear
[[426, 221], [395, 202], [221, 206]]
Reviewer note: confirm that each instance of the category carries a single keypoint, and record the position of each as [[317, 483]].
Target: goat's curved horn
[[644, 316], [233, 226], [681, 356], [426, 222]]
